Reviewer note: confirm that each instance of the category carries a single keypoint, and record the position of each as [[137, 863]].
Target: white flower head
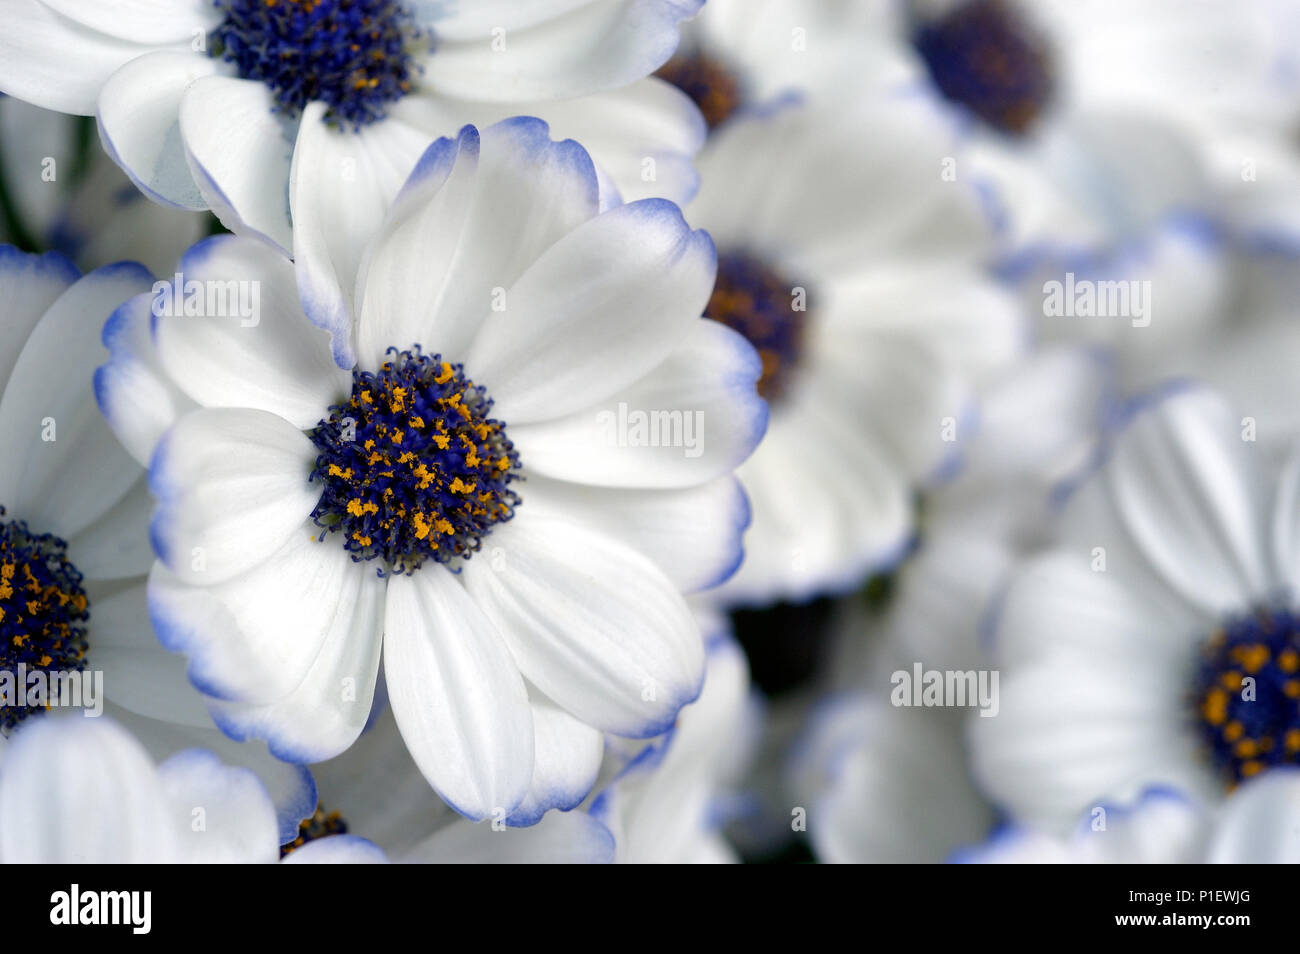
[[859, 280], [509, 492], [1157, 642]]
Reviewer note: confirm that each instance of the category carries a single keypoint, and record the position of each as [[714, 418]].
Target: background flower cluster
[[649, 431]]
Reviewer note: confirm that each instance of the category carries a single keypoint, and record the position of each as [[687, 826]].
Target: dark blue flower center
[[43, 610], [321, 824], [713, 87], [1248, 693], [983, 56], [352, 55], [771, 312], [412, 466]]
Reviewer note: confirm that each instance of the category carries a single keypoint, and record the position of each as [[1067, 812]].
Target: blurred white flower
[[311, 511], [892, 784], [1259, 823], [854, 268], [1157, 643]]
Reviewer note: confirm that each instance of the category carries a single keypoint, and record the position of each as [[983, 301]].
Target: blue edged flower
[[504, 469]]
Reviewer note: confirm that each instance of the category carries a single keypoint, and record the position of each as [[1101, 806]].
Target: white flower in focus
[[1157, 643], [483, 494]]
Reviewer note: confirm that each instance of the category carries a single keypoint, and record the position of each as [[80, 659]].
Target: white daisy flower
[[858, 280], [1259, 823], [667, 803], [1157, 643], [84, 791], [480, 494], [312, 112], [74, 541], [59, 191]]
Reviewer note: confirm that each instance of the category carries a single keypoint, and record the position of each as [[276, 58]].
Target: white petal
[[29, 285], [1068, 734], [138, 112], [55, 63], [291, 786], [259, 352], [596, 312], [255, 637], [457, 695], [693, 535], [116, 546], [135, 394], [232, 488], [1260, 823], [1183, 482], [471, 220], [81, 791], [600, 45], [222, 814], [55, 436], [567, 756], [329, 708], [239, 151], [692, 419], [340, 187], [592, 623], [143, 21], [643, 136]]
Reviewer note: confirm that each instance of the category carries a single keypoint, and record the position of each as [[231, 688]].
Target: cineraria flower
[[84, 791], [74, 541], [1158, 643], [859, 283], [860, 748], [666, 804], [1259, 823], [481, 493], [311, 113]]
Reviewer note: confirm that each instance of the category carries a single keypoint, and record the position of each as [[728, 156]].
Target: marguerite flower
[[858, 280], [489, 493], [1259, 823], [74, 531], [1158, 642], [312, 112], [84, 791]]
